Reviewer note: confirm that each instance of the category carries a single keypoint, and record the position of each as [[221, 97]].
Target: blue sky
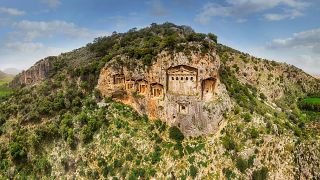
[[282, 30]]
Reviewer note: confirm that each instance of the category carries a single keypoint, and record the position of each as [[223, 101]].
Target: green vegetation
[[261, 174], [4, 89], [310, 104], [58, 125], [144, 44], [175, 134]]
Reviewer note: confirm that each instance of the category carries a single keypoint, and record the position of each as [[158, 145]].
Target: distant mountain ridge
[[12, 71], [2, 75]]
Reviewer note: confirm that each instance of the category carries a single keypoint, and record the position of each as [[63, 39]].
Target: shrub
[[193, 171], [65, 124], [18, 151], [70, 138], [247, 117], [155, 157], [228, 173], [33, 116], [169, 42], [176, 134], [254, 133], [241, 164], [251, 160], [43, 165], [260, 174], [86, 134], [263, 97], [160, 125], [213, 37], [229, 143], [237, 110]]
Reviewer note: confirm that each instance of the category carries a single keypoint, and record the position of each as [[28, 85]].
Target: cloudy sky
[[282, 30]]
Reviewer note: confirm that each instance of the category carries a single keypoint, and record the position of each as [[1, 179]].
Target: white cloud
[[23, 46], [239, 9], [302, 49], [30, 41], [11, 11], [308, 62], [306, 40], [289, 14], [31, 30], [51, 3]]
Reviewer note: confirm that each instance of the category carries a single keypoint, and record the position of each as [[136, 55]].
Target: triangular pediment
[[182, 70]]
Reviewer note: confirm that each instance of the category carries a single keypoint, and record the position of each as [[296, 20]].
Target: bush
[[263, 97], [155, 157], [86, 134], [17, 151], [260, 174], [43, 165], [33, 116], [176, 134], [71, 138], [228, 173], [254, 133], [229, 143], [213, 37], [65, 124], [247, 117], [169, 42], [193, 171], [241, 164]]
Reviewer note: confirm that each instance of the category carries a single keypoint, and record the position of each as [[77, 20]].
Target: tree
[[176, 134], [213, 37], [18, 151], [260, 174], [193, 171]]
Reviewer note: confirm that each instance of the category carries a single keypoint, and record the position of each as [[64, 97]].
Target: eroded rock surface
[[183, 90], [36, 73]]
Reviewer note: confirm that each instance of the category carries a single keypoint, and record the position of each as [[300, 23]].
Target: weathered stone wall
[[190, 101]]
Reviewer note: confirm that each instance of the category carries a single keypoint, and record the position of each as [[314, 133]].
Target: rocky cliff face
[[183, 90], [36, 73], [307, 158]]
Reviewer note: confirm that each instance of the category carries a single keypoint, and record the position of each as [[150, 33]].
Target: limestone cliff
[[36, 73], [183, 90]]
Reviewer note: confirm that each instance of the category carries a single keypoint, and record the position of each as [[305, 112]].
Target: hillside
[[2, 75], [4, 81], [76, 115]]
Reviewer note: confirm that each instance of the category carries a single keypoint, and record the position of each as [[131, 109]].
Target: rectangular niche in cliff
[[142, 86], [183, 108], [118, 79], [208, 87], [156, 90], [182, 80], [130, 84]]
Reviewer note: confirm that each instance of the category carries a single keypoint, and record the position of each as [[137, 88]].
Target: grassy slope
[[312, 100], [4, 89]]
